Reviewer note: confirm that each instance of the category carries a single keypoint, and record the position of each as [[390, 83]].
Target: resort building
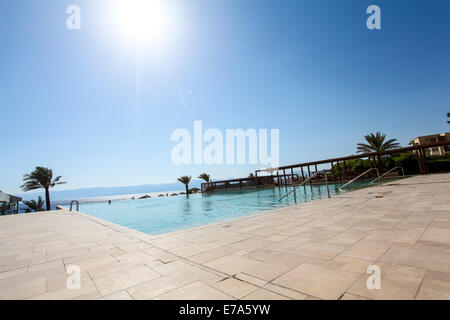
[[9, 203], [434, 138]]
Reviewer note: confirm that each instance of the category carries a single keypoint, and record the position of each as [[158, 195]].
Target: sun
[[141, 19]]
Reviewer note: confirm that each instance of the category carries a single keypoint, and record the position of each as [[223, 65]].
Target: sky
[[98, 105]]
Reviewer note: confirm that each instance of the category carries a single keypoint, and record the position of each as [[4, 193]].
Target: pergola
[[9, 203]]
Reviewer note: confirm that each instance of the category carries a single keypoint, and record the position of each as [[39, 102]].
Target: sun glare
[[141, 19]]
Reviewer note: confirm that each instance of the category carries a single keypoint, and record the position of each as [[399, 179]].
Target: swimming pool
[[160, 215]]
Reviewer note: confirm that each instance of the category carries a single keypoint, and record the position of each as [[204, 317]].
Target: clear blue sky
[[87, 105]]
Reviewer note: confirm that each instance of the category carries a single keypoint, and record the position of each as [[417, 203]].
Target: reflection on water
[[207, 206], [160, 215]]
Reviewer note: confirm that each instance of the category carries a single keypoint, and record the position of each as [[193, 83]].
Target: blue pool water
[[160, 215]]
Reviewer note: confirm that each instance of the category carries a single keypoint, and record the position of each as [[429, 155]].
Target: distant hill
[[59, 195]]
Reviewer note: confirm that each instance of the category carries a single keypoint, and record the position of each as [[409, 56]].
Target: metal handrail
[[301, 184], [76, 202], [381, 177], [353, 180]]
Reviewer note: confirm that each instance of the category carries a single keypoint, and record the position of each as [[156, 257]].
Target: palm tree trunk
[[47, 199], [187, 190], [379, 164]]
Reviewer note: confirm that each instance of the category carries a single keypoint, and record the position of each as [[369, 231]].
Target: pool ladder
[[365, 172], [301, 184], [381, 177], [76, 202]]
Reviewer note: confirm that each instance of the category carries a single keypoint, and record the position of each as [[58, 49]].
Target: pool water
[[165, 214]]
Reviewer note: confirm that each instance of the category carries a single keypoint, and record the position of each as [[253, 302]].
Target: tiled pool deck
[[318, 250]]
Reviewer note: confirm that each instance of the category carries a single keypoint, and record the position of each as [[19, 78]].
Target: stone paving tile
[[399, 235], [212, 254], [64, 253], [233, 264], [263, 294], [440, 236], [350, 264], [235, 288], [94, 295], [63, 293], [124, 279], [92, 255], [92, 263], [318, 281], [252, 280], [59, 281], [435, 286], [48, 268], [160, 254], [135, 258], [271, 269], [121, 295], [23, 289], [349, 296], [251, 244], [420, 258], [318, 250], [408, 276], [181, 267], [264, 254], [195, 291], [445, 224], [347, 238], [287, 243], [390, 290], [285, 292], [12, 273], [367, 249], [158, 286]]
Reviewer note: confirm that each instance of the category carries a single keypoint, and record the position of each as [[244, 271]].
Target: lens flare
[[141, 19]]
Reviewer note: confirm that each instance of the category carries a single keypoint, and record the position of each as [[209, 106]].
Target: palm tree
[[376, 143], [34, 205], [185, 180], [41, 178], [251, 175], [205, 177]]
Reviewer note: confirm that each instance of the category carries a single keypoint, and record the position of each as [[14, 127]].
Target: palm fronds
[[376, 143], [205, 177]]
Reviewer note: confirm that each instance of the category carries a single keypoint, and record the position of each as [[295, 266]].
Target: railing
[[76, 202], [301, 184], [365, 172], [381, 177]]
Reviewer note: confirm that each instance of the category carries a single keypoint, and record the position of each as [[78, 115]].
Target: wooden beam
[[332, 171], [345, 171], [365, 155], [425, 162], [309, 176], [278, 179]]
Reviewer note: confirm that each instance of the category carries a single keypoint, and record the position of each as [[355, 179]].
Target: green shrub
[[439, 165], [408, 161]]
